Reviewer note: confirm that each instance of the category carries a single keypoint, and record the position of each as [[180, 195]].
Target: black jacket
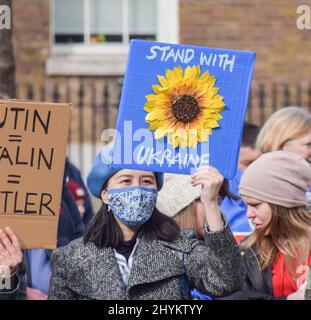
[[257, 284], [73, 173]]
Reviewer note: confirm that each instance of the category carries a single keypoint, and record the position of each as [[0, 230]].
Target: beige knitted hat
[[176, 194], [278, 177]]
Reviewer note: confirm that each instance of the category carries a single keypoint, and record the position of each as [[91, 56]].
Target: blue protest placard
[[182, 107]]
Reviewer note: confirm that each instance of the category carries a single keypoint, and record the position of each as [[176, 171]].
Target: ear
[[104, 196]]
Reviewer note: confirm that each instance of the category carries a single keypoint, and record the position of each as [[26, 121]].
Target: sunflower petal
[[192, 73], [193, 137], [170, 75], [170, 137], [156, 114], [163, 81], [212, 123], [203, 135], [151, 97], [160, 133], [173, 139], [154, 125], [156, 88], [178, 73], [149, 106], [176, 142], [204, 77], [218, 99], [211, 114], [183, 137], [215, 116], [219, 105], [211, 82]]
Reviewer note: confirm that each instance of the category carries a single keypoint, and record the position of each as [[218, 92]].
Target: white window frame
[[110, 58]]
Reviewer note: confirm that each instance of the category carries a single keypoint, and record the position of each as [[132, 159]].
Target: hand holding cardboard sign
[[10, 250], [211, 181]]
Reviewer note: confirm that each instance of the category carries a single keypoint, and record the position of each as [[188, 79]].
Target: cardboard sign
[[182, 107], [33, 140]]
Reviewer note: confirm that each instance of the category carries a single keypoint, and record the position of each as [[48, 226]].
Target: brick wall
[[267, 27], [31, 38]]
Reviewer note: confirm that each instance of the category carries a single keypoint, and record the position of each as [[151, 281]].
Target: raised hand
[[211, 181], [10, 250]]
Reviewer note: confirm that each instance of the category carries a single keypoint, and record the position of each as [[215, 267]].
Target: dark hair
[[225, 191], [104, 231], [250, 133]]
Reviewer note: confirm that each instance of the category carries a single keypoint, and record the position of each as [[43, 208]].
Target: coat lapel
[[99, 277], [154, 262]]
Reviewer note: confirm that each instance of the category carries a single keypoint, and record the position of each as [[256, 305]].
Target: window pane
[[143, 19], [106, 21], [68, 21]]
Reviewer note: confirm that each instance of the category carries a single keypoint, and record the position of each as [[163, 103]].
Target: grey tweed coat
[[212, 266]]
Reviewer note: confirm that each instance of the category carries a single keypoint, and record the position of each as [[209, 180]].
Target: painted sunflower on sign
[[185, 107]]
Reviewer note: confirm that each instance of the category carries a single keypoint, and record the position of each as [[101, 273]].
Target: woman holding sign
[[132, 251]]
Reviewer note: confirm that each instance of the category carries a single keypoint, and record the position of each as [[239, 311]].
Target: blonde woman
[[288, 129], [277, 253]]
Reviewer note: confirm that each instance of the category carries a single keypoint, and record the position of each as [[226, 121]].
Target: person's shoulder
[[248, 253], [187, 234], [75, 251], [184, 242]]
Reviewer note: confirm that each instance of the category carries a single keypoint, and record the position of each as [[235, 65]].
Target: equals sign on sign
[[15, 138], [13, 178]]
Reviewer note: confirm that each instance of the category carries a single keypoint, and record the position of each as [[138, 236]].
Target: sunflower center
[[185, 108]]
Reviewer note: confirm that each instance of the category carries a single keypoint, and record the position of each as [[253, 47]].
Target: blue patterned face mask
[[133, 205]]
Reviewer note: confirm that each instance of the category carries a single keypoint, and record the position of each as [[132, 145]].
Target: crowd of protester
[[135, 246]]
